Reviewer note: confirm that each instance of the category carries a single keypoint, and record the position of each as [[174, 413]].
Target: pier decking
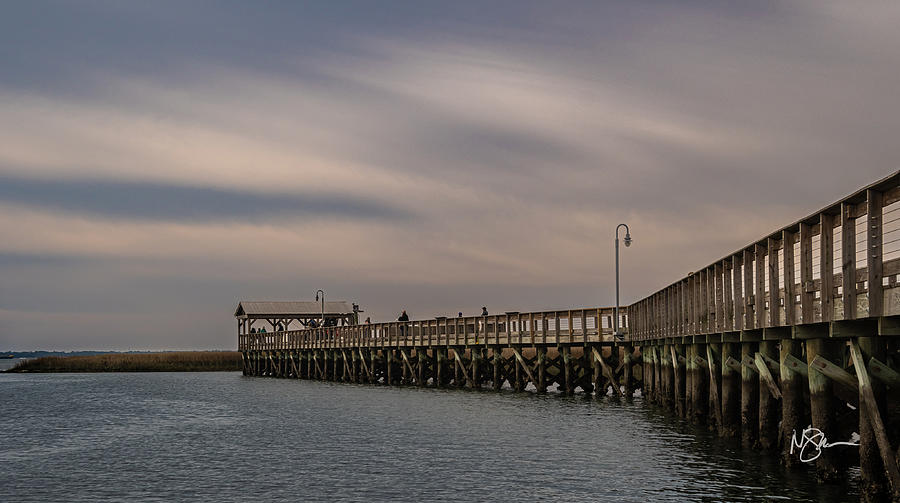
[[801, 327]]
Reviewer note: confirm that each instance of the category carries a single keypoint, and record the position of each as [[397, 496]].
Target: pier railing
[[794, 276], [594, 325]]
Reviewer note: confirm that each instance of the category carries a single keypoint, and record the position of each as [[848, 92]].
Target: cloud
[[440, 156], [152, 201]]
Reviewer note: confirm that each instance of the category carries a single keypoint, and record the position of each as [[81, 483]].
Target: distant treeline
[[176, 361]]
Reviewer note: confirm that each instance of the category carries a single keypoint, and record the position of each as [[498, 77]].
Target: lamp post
[[323, 303], [627, 244]]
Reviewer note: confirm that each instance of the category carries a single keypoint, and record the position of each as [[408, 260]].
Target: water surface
[[224, 437]]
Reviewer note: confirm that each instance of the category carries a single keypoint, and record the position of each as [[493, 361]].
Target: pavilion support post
[[769, 408], [749, 397], [731, 392], [823, 406]]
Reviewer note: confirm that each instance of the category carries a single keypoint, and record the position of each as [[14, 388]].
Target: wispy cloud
[[415, 159]]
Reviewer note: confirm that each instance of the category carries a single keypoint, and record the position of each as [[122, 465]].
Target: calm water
[[224, 437]]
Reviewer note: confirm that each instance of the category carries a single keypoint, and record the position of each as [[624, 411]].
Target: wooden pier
[[800, 328]]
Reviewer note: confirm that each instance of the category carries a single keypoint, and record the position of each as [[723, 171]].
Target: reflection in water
[[221, 436]]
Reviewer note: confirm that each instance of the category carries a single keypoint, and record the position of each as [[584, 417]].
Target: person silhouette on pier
[[403, 317], [484, 311]]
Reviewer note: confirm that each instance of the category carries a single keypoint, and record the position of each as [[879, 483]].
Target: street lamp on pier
[[323, 303], [617, 334]]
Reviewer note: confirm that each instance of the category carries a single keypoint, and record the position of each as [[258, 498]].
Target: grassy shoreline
[[171, 361]]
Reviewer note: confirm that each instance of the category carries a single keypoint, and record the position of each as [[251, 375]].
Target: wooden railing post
[[848, 261], [874, 262]]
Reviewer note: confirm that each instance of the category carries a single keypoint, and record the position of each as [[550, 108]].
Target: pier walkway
[[801, 327]]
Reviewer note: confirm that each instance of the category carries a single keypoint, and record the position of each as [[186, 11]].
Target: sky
[[161, 161]]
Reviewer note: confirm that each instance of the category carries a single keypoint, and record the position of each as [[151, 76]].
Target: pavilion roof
[[290, 309]]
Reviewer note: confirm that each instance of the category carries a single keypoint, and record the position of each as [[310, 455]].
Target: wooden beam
[[524, 366], [834, 372], [749, 363], [867, 400], [700, 361], [714, 385], [884, 373], [795, 364], [733, 364], [764, 374], [607, 372]]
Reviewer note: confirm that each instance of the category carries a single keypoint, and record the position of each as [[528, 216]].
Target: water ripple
[[223, 437]]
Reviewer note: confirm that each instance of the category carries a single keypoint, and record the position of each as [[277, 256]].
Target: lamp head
[[627, 239], [317, 296]]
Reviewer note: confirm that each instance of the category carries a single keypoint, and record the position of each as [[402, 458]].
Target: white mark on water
[[814, 440]]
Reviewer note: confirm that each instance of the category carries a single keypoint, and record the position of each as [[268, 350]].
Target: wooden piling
[[541, 383], [823, 406], [496, 363], [699, 387], [749, 397], [627, 370], [567, 369], [668, 380], [793, 405], [731, 392], [769, 406], [874, 484], [675, 351]]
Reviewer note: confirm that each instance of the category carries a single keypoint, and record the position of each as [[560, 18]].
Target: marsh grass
[[176, 361]]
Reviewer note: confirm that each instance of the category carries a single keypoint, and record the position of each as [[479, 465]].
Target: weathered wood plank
[[833, 372], [848, 261], [884, 373], [873, 415], [873, 253], [766, 376]]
